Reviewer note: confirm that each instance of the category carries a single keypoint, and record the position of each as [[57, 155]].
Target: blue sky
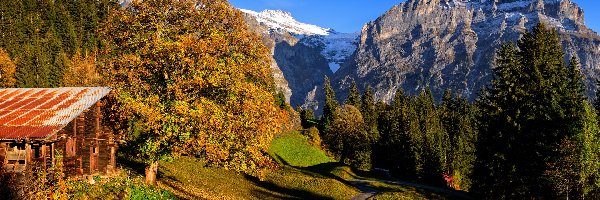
[[351, 15]]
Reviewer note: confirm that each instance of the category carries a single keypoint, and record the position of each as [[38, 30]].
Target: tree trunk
[[151, 171]]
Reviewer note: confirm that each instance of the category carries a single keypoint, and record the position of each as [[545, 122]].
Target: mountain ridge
[[419, 44], [443, 44], [280, 21]]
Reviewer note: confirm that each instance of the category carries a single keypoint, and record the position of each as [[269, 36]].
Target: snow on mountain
[[283, 21], [334, 46], [513, 5]]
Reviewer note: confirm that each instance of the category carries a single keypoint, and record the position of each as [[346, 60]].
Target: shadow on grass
[[325, 170], [280, 160], [139, 168], [175, 185], [276, 191], [127, 162]]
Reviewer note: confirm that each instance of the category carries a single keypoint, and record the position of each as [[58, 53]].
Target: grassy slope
[[294, 150], [306, 173], [189, 178]]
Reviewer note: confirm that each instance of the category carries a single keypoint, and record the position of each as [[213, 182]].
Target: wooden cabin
[[36, 123]]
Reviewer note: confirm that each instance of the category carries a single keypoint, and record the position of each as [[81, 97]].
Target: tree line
[[530, 134], [47, 40]]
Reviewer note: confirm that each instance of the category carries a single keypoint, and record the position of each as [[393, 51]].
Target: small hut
[[37, 122]]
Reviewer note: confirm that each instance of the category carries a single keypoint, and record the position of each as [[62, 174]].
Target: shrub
[[313, 136]]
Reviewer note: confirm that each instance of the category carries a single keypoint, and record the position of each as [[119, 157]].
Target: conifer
[[534, 104], [354, 96]]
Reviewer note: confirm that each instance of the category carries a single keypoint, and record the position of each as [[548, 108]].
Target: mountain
[[281, 21], [452, 43], [303, 54]]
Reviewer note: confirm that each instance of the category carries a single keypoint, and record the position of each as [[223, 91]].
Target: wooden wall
[[87, 148]]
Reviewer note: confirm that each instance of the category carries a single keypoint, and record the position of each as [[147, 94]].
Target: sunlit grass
[[190, 178], [294, 149], [305, 173]]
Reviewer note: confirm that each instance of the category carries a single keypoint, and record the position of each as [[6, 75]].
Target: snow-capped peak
[[278, 20]]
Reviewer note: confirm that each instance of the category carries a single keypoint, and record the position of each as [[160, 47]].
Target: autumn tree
[[81, 71], [192, 79], [350, 143], [7, 70]]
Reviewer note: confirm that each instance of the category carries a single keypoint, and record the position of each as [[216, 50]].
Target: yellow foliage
[[197, 79], [7, 70], [81, 71]]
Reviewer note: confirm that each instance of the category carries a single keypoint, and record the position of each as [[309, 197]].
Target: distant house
[[35, 122]]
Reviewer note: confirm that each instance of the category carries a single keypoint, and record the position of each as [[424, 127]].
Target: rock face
[[303, 54], [451, 44], [270, 41]]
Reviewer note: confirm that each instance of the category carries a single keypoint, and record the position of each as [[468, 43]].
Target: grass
[[306, 173], [190, 178], [294, 149], [393, 191]]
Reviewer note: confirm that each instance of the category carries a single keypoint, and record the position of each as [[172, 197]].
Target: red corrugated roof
[[30, 113]]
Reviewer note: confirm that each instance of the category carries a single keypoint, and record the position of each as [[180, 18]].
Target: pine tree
[[458, 119], [399, 146], [43, 35], [370, 115], [534, 103], [330, 107], [354, 96], [369, 111], [435, 139], [307, 117], [493, 169], [597, 100], [575, 91]]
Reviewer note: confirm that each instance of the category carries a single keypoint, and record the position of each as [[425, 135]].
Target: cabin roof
[[39, 113]]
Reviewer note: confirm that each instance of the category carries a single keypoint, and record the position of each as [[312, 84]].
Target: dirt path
[[368, 192]]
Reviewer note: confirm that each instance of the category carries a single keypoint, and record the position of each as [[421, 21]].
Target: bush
[[313, 136], [148, 193]]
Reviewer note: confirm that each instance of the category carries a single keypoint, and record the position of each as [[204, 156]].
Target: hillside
[[306, 173]]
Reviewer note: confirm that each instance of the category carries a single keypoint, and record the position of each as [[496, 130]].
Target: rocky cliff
[[451, 44], [303, 54]]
